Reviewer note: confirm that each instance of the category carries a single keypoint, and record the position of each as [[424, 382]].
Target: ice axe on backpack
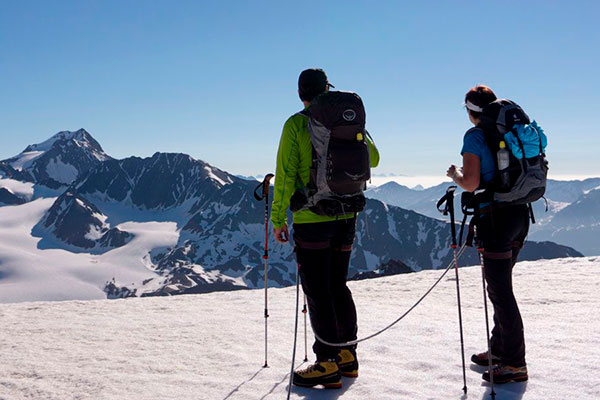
[[448, 202], [262, 193]]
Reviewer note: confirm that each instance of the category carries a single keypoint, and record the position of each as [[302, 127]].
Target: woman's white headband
[[473, 107]]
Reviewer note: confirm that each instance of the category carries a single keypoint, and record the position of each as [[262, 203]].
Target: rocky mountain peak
[[61, 159], [81, 137]]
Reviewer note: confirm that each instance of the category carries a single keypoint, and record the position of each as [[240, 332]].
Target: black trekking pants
[[502, 232], [323, 252]]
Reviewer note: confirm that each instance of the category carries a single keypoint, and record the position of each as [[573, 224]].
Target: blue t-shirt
[[474, 143]]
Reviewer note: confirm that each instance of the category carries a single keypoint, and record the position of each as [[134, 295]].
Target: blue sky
[[217, 80]]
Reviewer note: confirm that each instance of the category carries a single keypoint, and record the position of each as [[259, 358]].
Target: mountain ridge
[[567, 215]]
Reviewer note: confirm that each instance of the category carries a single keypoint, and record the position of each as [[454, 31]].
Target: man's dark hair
[[311, 83]]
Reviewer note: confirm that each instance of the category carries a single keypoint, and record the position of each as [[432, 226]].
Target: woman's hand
[[451, 173], [468, 176]]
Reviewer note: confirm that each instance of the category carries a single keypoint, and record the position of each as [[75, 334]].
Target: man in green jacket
[[323, 246]]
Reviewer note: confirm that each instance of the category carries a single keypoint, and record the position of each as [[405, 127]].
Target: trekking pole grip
[[266, 185], [448, 202], [262, 190], [451, 190]]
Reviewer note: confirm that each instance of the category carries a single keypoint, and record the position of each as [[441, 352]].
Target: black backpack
[[505, 121], [340, 156]]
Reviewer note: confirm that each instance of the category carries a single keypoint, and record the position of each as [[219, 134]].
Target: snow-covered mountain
[[170, 224], [220, 230], [571, 217], [16, 187], [577, 224], [210, 346], [76, 222], [8, 172], [58, 161], [160, 182], [422, 201]]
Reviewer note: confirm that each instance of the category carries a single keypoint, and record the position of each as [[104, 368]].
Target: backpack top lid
[[337, 109], [500, 116]]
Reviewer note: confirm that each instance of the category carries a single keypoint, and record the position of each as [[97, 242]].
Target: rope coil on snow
[[353, 342]]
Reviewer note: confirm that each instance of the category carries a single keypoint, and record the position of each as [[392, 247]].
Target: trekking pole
[[291, 382], [264, 187], [448, 199], [305, 311], [487, 322]]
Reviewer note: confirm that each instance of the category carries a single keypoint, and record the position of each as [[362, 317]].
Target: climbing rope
[[353, 342]]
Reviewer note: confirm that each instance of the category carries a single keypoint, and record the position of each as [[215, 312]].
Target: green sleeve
[[373, 152], [286, 173]]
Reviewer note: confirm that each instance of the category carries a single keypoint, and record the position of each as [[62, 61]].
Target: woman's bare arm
[[469, 177]]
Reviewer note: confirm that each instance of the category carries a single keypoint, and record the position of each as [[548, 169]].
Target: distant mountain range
[[572, 216], [100, 205], [576, 223]]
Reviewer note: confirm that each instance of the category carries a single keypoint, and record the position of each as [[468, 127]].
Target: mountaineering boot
[[326, 373], [482, 359], [505, 373], [348, 364]]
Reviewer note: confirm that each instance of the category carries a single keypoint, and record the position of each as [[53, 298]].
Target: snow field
[[25, 159], [29, 273], [210, 346], [22, 189]]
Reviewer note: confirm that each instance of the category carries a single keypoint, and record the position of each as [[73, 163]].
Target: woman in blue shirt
[[501, 232]]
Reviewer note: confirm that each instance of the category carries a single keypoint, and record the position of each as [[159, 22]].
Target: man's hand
[[281, 234]]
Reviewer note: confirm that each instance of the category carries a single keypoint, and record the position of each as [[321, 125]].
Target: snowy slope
[[209, 346], [30, 272], [18, 188], [14, 191]]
